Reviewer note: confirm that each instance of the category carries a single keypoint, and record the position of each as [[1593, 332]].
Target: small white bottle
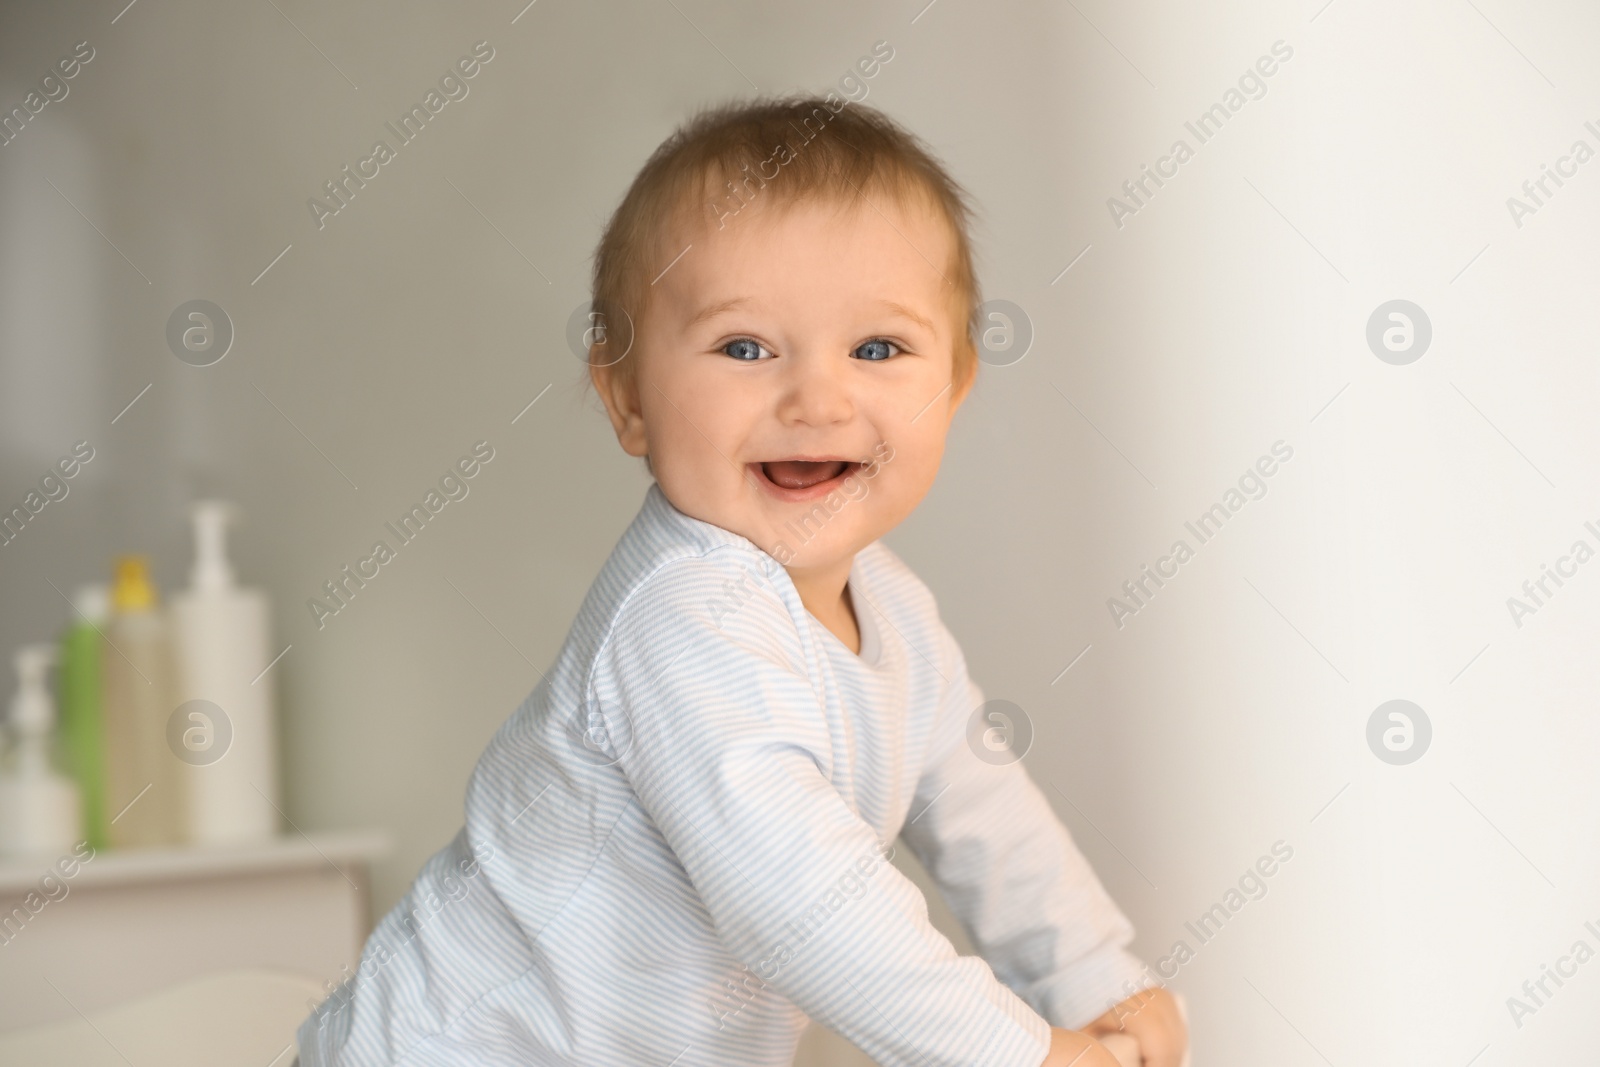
[[225, 694], [39, 813]]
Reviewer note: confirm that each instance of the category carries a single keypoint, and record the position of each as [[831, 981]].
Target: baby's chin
[[797, 541], [794, 535]]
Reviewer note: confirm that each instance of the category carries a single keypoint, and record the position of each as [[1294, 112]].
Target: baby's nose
[[816, 392]]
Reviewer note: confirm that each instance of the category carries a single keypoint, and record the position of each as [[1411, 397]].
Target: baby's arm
[[1010, 872], [726, 751]]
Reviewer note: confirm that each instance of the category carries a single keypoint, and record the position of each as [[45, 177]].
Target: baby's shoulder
[[704, 584], [710, 598]]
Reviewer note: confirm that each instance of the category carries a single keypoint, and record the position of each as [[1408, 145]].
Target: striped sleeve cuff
[[1077, 995]]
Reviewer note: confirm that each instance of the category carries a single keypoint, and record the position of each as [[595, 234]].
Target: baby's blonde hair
[[774, 151]]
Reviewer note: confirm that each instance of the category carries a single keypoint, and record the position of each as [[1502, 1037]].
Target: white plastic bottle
[[225, 694], [39, 813]]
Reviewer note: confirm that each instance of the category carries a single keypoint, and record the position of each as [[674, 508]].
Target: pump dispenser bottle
[[39, 812], [226, 693]]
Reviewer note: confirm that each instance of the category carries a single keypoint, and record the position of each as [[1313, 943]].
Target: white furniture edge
[[130, 866]]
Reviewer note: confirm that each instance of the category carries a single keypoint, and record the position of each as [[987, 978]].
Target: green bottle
[[81, 725]]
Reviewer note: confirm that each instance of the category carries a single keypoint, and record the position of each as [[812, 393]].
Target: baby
[[675, 851]]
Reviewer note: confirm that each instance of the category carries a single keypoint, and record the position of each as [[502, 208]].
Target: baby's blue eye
[[876, 350], [744, 349]]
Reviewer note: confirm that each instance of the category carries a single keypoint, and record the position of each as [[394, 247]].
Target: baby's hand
[[1152, 1018], [1123, 1047], [1070, 1048]]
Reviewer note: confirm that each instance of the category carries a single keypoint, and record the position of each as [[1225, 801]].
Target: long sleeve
[[1011, 873], [721, 734]]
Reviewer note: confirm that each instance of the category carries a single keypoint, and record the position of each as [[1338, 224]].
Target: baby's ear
[[620, 394], [965, 376]]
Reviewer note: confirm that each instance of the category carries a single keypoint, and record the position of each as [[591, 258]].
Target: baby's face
[[794, 374]]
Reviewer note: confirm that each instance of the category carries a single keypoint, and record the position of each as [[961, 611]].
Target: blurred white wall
[[1229, 312]]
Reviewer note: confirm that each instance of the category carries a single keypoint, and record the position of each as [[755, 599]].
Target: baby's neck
[[825, 592]]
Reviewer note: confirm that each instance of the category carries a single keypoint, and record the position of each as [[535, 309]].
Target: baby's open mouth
[[802, 473]]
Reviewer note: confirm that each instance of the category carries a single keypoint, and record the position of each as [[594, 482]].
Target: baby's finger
[[1164, 1058], [1124, 1048], [1163, 1043]]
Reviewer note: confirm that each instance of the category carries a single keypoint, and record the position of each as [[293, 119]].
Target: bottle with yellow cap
[[144, 785]]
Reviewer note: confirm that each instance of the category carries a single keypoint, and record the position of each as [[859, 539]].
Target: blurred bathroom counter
[[140, 865], [81, 935]]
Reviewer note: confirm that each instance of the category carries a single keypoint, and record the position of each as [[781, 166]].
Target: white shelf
[[132, 922], [115, 867]]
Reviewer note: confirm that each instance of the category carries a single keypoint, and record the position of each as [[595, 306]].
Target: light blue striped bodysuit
[[676, 849]]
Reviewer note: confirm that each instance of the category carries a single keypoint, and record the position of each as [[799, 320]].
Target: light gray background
[[1227, 314]]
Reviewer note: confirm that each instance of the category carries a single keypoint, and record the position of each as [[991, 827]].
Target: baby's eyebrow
[[901, 309], [716, 309], [713, 310]]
